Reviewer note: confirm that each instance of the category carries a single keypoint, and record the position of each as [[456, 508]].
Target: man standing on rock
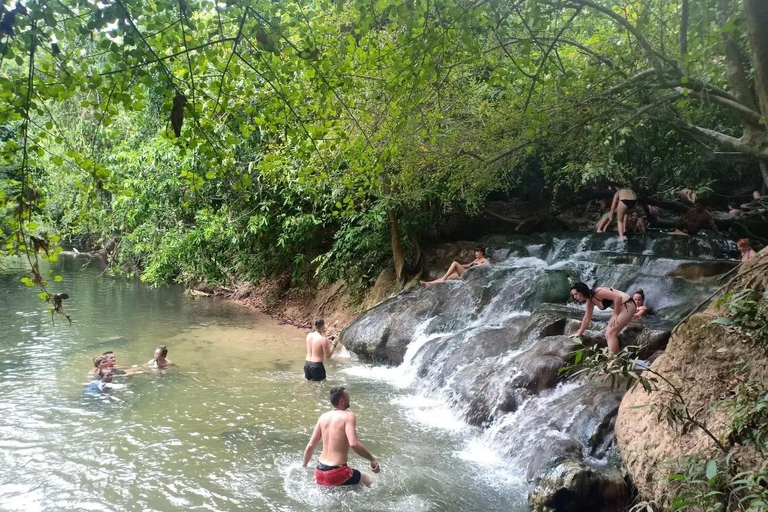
[[319, 348], [338, 431]]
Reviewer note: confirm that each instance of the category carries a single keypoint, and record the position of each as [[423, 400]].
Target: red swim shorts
[[336, 475]]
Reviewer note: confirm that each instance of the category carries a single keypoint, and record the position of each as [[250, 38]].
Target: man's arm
[[310, 449], [327, 348], [354, 442]]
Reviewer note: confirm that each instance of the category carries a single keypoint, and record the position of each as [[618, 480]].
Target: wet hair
[[98, 360], [744, 242], [163, 350], [103, 372], [107, 353], [481, 250], [319, 323], [337, 394], [582, 289], [639, 291]]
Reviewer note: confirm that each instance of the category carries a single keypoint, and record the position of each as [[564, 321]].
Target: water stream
[[225, 429]]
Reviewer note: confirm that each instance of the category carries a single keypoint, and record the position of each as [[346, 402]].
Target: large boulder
[[701, 361], [572, 486]]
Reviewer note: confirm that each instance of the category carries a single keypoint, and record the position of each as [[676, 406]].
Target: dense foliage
[[235, 140]]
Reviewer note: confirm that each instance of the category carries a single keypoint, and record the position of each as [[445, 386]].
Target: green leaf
[[711, 471], [58, 278]]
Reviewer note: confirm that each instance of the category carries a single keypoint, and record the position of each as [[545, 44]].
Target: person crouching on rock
[[338, 431], [319, 348], [622, 304], [456, 270]]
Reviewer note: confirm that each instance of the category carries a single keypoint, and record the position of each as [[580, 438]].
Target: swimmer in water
[[338, 431], [99, 362], [101, 385], [112, 363], [159, 360], [319, 348]]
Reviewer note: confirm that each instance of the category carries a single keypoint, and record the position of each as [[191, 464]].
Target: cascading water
[[490, 345]]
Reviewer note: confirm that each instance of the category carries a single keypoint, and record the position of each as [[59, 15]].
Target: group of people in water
[[105, 367]]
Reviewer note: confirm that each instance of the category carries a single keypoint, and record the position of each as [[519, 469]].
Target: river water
[[224, 430]]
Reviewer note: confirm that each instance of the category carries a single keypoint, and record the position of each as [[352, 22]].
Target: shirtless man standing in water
[[319, 348], [338, 430]]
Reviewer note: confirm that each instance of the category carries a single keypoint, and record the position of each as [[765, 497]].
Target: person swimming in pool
[[624, 308], [338, 431], [623, 200], [159, 360]]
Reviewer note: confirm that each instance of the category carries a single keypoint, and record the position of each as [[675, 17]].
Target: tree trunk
[[764, 172], [397, 245], [756, 13], [737, 75]]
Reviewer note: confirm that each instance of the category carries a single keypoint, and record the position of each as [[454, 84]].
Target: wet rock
[[383, 333], [572, 486], [696, 271]]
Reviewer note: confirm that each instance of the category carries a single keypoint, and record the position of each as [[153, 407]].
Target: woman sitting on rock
[[456, 270], [622, 304]]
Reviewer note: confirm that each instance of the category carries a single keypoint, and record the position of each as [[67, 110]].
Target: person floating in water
[[159, 360], [642, 309], [747, 252], [112, 363], [623, 306], [101, 385], [456, 270], [338, 431], [623, 200], [99, 362], [319, 348]]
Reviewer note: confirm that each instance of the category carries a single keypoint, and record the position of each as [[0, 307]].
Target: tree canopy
[[228, 140]]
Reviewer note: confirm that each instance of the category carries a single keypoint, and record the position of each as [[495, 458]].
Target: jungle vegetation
[[320, 139]]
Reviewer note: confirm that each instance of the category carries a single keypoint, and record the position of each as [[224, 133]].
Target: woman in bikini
[[623, 200], [622, 304]]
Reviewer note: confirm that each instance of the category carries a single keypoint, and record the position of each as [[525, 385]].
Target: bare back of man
[[319, 348], [338, 431]]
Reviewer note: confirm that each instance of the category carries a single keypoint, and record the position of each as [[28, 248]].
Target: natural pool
[[224, 430]]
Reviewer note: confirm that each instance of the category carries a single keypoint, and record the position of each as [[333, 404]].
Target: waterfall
[[489, 346]]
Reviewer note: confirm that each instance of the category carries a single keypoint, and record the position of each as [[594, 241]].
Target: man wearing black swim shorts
[[319, 348], [338, 431]]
